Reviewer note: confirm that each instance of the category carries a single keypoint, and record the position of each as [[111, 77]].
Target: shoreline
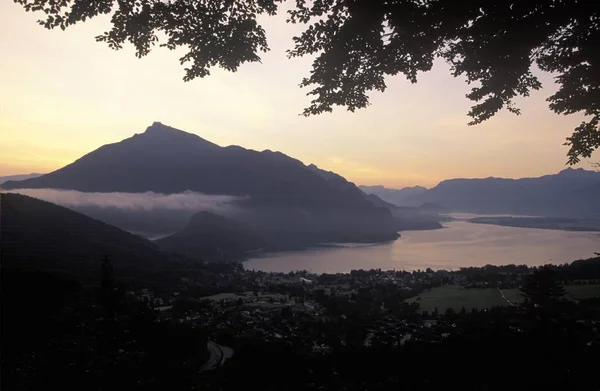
[[265, 252], [548, 223]]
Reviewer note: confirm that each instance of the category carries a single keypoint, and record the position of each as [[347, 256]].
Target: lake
[[458, 244]]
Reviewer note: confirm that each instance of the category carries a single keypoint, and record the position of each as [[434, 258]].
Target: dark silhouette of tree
[[107, 274], [541, 287], [78, 347], [108, 292], [357, 43]]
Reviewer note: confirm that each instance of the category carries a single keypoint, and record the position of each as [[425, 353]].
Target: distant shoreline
[[551, 223]]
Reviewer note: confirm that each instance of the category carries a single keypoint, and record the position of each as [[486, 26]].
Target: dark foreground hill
[[286, 200], [59, 334], [211, 237], [42, 236]]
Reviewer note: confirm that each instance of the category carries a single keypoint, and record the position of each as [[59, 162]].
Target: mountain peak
[[164, 134], [570, 171], [159, 128]]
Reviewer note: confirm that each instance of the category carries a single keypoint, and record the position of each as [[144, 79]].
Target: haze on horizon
[[65, 95]]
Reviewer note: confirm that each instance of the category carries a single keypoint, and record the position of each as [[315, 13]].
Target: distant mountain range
[[398, 197], [289, 203], [18, 177], [570, 193]]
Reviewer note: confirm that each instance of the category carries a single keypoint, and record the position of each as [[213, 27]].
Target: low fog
[[154, 215], [188, 200], [149, 214]]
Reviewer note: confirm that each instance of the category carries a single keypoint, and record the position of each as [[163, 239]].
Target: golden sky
[[63, 95]]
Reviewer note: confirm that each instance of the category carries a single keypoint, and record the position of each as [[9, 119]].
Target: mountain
[[211, 237], [588, 199], [571, 192], [375, 200], [18, 177], [43, 236], [342, 184], [398, 197], [279, 195], [167, 160], [405, 219]]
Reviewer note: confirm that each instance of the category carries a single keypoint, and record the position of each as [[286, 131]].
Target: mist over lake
[[459, 244]]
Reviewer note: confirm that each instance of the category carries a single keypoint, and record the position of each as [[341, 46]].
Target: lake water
[[458, 244]]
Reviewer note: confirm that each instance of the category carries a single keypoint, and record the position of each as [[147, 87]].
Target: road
[[217, 356], [504, 297]]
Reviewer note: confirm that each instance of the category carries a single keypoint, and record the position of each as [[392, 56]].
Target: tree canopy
[[542, 287], [357, 43]]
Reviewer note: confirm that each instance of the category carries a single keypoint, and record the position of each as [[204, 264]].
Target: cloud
[[143, 202]]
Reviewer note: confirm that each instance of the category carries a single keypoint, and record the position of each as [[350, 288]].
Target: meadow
[[456, 297]]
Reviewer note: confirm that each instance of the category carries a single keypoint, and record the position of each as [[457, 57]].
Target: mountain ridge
[[396, 197], [548, 195], [212, 237], [345, 185], [572, 192], [277, 192], [18, 177]]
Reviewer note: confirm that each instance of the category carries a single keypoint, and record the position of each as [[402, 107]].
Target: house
[[429, 323]]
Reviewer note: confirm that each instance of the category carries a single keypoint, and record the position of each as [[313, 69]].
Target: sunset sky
[[63, 95]]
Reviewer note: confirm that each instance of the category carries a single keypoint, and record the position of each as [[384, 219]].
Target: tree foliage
[[59, 334], [542, 288], [357, 43]]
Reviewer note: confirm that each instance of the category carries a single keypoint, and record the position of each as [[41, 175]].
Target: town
[[319, 312]]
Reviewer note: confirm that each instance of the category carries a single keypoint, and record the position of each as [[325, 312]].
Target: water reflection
[[459, 244]]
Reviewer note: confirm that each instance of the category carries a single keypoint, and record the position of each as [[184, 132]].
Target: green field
[[225, 296], [456, 297], [578, 292], [262, 300]]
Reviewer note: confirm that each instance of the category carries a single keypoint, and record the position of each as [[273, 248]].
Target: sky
[[63, 95]]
